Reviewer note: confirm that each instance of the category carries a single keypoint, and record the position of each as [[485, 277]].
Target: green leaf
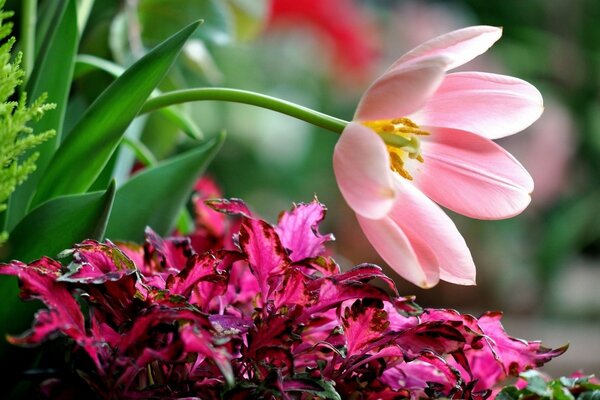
[[155, 196], [595, 395], [58, 223], [87, 149], [56, 60], [181, 120], [321, 388], [536, 383], [141, 152], [559, 392], [86, 63], [159, 17], [49, 12], [508, 393]]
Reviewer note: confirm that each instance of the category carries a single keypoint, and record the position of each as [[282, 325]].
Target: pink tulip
[[420, 137]]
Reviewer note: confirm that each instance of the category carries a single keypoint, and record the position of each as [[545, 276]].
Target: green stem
[[29, 16], [242, 96]]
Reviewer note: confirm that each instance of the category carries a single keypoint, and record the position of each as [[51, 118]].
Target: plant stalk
[[242, 96]]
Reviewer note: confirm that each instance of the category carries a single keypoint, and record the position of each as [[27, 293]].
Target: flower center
[[401, 137]]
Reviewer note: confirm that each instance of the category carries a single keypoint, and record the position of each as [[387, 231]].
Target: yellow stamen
[[388, 128], [406, 147], [398, 164]]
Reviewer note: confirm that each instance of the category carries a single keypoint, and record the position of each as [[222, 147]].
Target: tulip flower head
[[421, 136]]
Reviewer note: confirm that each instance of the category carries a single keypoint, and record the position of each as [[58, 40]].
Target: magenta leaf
[[209, 221], [325, 266], [115, 301], [417, 376], [364, 322], [292, 289], [274, 331], [35, 278], [141, 329], [299, 231], [507, 355], [331, 291], [437, 336], [225, 325], [199, 341], [39, 281], [229, 206], [209, 268], [171, 255], [265, 253], [95, 262]]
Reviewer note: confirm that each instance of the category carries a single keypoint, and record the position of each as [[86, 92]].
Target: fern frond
[[17, 138]]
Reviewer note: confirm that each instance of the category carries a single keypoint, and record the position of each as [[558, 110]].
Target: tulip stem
[[242, 96]]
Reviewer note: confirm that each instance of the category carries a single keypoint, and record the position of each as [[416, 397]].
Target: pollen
[[398, 164], [402, 139]]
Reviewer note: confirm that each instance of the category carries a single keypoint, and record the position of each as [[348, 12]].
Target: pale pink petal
[[362, 168], [423, 221], [402, 91], [489, 105], [459, 46], [472, 175], [411, 260]]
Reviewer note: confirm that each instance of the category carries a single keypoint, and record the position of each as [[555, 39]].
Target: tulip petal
[[411, 260], [459, 46], [362, 168], [423, 221], [472, 175], [402, 91], [489, 105]]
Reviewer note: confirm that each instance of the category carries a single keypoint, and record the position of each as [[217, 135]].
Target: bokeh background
[[541, 268]]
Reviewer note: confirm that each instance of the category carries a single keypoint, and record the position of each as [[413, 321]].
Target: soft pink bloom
[[554, 134], [438, 149]]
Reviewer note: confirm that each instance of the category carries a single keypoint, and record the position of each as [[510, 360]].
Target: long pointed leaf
[[86, 63], [60, 222], [87, 149], [55, 61], [49, 13], [155, 196]]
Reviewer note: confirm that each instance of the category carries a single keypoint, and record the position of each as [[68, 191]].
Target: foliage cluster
[[245, 309]]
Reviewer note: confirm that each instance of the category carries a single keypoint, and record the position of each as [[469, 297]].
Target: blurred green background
[[542, 268]]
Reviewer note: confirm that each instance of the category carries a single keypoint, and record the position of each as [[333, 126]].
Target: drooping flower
[[421, 136]]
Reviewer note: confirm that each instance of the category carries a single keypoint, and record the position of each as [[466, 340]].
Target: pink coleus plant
[[422, 136], [270, 317]]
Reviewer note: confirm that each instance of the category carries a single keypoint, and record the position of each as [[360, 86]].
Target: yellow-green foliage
[[16, 137]]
